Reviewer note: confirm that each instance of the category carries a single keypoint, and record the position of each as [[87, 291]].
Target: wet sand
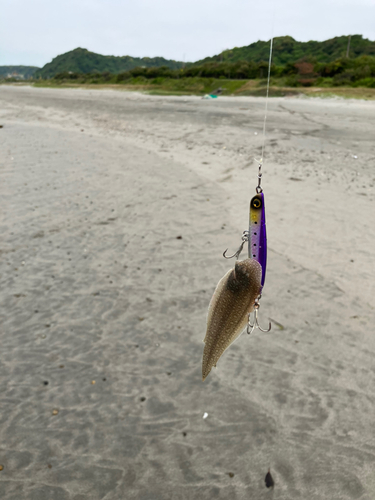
[[116, 208]]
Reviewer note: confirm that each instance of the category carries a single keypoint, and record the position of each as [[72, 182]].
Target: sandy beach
[[116, 209]]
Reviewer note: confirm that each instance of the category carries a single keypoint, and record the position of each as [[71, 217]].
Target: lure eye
[[256, 202]]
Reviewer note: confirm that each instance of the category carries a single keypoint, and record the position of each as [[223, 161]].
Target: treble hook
[[245, 238], [251, 327]]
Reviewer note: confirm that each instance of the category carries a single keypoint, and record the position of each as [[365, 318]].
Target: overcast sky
[[33, 32]]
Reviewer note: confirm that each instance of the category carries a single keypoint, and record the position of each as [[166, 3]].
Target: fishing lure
[[239, 292], [257, 232]]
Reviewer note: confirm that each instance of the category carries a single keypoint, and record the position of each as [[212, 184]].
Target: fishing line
[[238, 293], [268, 88], [269, 481]]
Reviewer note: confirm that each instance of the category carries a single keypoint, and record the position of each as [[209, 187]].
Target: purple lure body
[[257, 233]]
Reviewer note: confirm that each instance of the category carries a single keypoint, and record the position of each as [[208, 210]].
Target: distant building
[[15, 75]]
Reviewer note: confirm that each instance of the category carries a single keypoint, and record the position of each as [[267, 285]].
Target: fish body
[[257, 233], [229, 309]]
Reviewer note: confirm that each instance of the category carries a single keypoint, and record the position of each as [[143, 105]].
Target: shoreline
[[248, 88]]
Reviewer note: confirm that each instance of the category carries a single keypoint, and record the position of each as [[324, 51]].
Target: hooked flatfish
[[229, 310]]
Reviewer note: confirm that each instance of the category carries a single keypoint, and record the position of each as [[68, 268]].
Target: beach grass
[[201, 86]]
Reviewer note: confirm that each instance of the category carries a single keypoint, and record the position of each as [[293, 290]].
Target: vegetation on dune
[[83, 61], [342, 72], [201, 86], [159, 85]]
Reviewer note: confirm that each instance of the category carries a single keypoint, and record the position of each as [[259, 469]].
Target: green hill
[[83, 61], [239, 62], [18, 72], [287, 50]]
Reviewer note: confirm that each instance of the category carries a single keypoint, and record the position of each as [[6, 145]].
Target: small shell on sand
[[229, 309]]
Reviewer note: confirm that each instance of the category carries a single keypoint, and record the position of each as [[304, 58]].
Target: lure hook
[[245, 238], [251, 327]]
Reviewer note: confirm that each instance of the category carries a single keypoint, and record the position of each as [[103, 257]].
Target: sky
[[33, 32]]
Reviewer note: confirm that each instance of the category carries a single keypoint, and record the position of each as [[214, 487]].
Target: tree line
[[306, 72]]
